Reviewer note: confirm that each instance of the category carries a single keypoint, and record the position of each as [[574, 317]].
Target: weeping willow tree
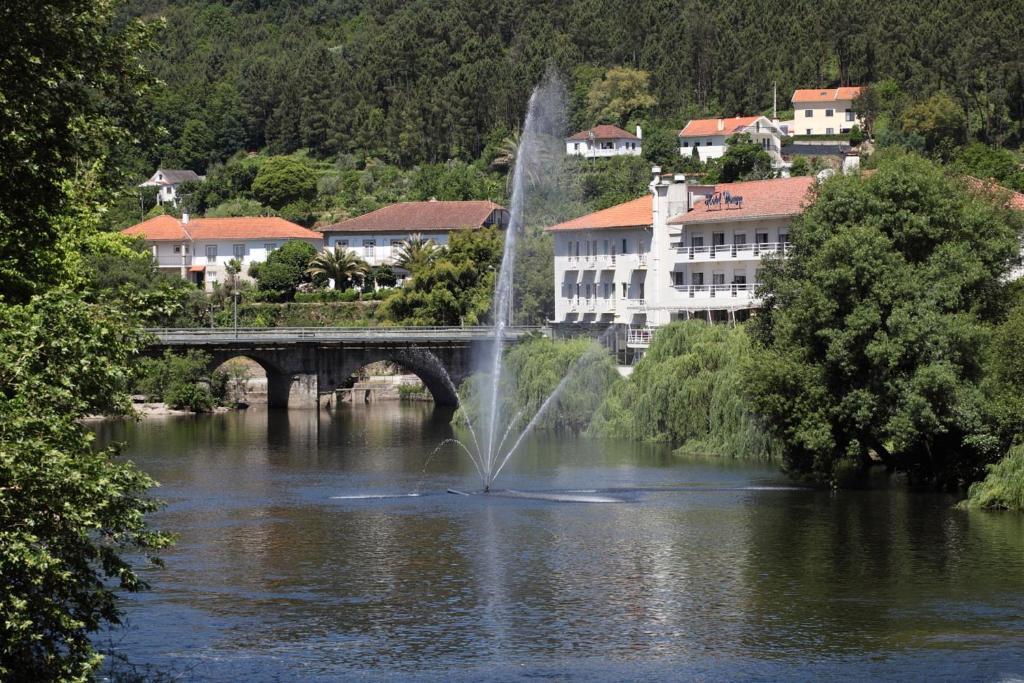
[[688, 391], [536, 368]]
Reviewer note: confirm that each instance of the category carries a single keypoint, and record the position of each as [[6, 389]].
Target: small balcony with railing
[[731, 252], [175, 260], [639, 337], [734, 295]]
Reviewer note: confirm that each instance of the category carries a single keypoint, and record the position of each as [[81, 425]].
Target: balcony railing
[[723, 291], [639, 336], [717, 252]]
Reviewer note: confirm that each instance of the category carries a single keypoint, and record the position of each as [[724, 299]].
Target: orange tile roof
[[826, 94], [604, 132], [169, 228], [426, 216], [637, 213], [1014, 199], [705, 127], [761, 199]]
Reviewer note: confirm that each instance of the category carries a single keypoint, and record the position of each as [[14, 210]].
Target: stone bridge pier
[[306, 373]]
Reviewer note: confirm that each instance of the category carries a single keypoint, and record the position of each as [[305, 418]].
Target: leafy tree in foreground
[[415, 254], [67, 510], [285, 269], [871, 330], [341, 265], [281, 181]]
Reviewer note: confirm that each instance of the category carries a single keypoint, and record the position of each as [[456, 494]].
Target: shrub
[[183, 395], [1003, 486]]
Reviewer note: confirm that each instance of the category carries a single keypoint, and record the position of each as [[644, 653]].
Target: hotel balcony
[[730, 252], [175, 261], [715, 296], [639, 337]]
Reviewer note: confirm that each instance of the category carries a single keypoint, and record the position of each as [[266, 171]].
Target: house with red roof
[[825, 111], [604, 140], [199, 249], [682, 251], [707, 137], [376, 235], [167, 180]]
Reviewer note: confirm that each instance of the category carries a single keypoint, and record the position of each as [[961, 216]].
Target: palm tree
[[512, 150], [340, 265], [416, 253]]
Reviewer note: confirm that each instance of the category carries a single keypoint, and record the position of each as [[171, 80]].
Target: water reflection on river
[[713, 570]]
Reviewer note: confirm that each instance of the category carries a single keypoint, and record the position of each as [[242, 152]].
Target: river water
[[286, 570]]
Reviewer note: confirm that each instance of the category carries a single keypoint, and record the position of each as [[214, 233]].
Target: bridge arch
[[279, 382], [421, 362]]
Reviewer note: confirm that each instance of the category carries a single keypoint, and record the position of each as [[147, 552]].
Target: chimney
[[639, 132], [721, 124], [656, 173], [184, 217]]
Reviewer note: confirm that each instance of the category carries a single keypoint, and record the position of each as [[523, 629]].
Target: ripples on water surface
[[302, 556]]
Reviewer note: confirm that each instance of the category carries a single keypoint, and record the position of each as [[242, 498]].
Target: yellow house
[[827, 111]]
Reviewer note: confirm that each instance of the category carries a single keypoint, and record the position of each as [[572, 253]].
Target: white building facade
[[376, 236], [167, 181], [708, 136], [684, 251], [604, 141], [200, 249], [828, 111]]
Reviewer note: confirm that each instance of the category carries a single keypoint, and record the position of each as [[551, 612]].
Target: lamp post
[[234, 306]]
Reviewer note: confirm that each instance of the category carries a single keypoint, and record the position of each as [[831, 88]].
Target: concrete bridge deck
[[305, 365]]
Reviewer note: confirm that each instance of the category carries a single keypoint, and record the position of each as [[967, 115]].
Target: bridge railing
[[217, 334]]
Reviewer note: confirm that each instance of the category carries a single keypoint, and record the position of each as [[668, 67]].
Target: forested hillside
[[425, 81]]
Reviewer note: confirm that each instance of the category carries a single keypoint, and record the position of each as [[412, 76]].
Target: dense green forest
[[427, 81]]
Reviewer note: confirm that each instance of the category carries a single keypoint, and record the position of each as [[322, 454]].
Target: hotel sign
[[723, 200]]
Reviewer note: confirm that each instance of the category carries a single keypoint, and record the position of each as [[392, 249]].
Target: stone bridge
[[305, 365]]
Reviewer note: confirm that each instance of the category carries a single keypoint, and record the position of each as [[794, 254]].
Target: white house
[[199, 249], [168, 180], [604, 141], [683, 251], [375, 236], [827, 111], [708, 136]]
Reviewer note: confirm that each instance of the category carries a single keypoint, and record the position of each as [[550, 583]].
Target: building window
[[696, 240], [369, 246], [740, 239], [708, 143], [269, 247], [717, 239], [808, 131], [238, 250], [849, 115], [784, 237], [677, 278], [761, 238], [697, 279], [605, 245], [829, 113], [211, 252], [718, 278], [830, 131], [177, 248], [739, 278], [625, 250], [575, 145], [686, 144], [623, 290], [341, 243], [808, 113]]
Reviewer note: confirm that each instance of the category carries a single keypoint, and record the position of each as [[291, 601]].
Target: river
[[285, 570]]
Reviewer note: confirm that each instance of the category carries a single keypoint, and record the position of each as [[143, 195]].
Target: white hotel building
[[684, 251]]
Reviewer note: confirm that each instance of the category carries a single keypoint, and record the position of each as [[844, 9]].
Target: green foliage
[[619, 95], [800, 167], [533, 293], [856, 136], [991, 163], [1003, 485], [661, 147], [342, 265], [285, 269], [69, 509], [416, 254], [71, 84], [688, 390], [744, 159], [283, 181], [455, 289], [239, 207], [182, 381], [533, 370], [871, 329], [939, 121]]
